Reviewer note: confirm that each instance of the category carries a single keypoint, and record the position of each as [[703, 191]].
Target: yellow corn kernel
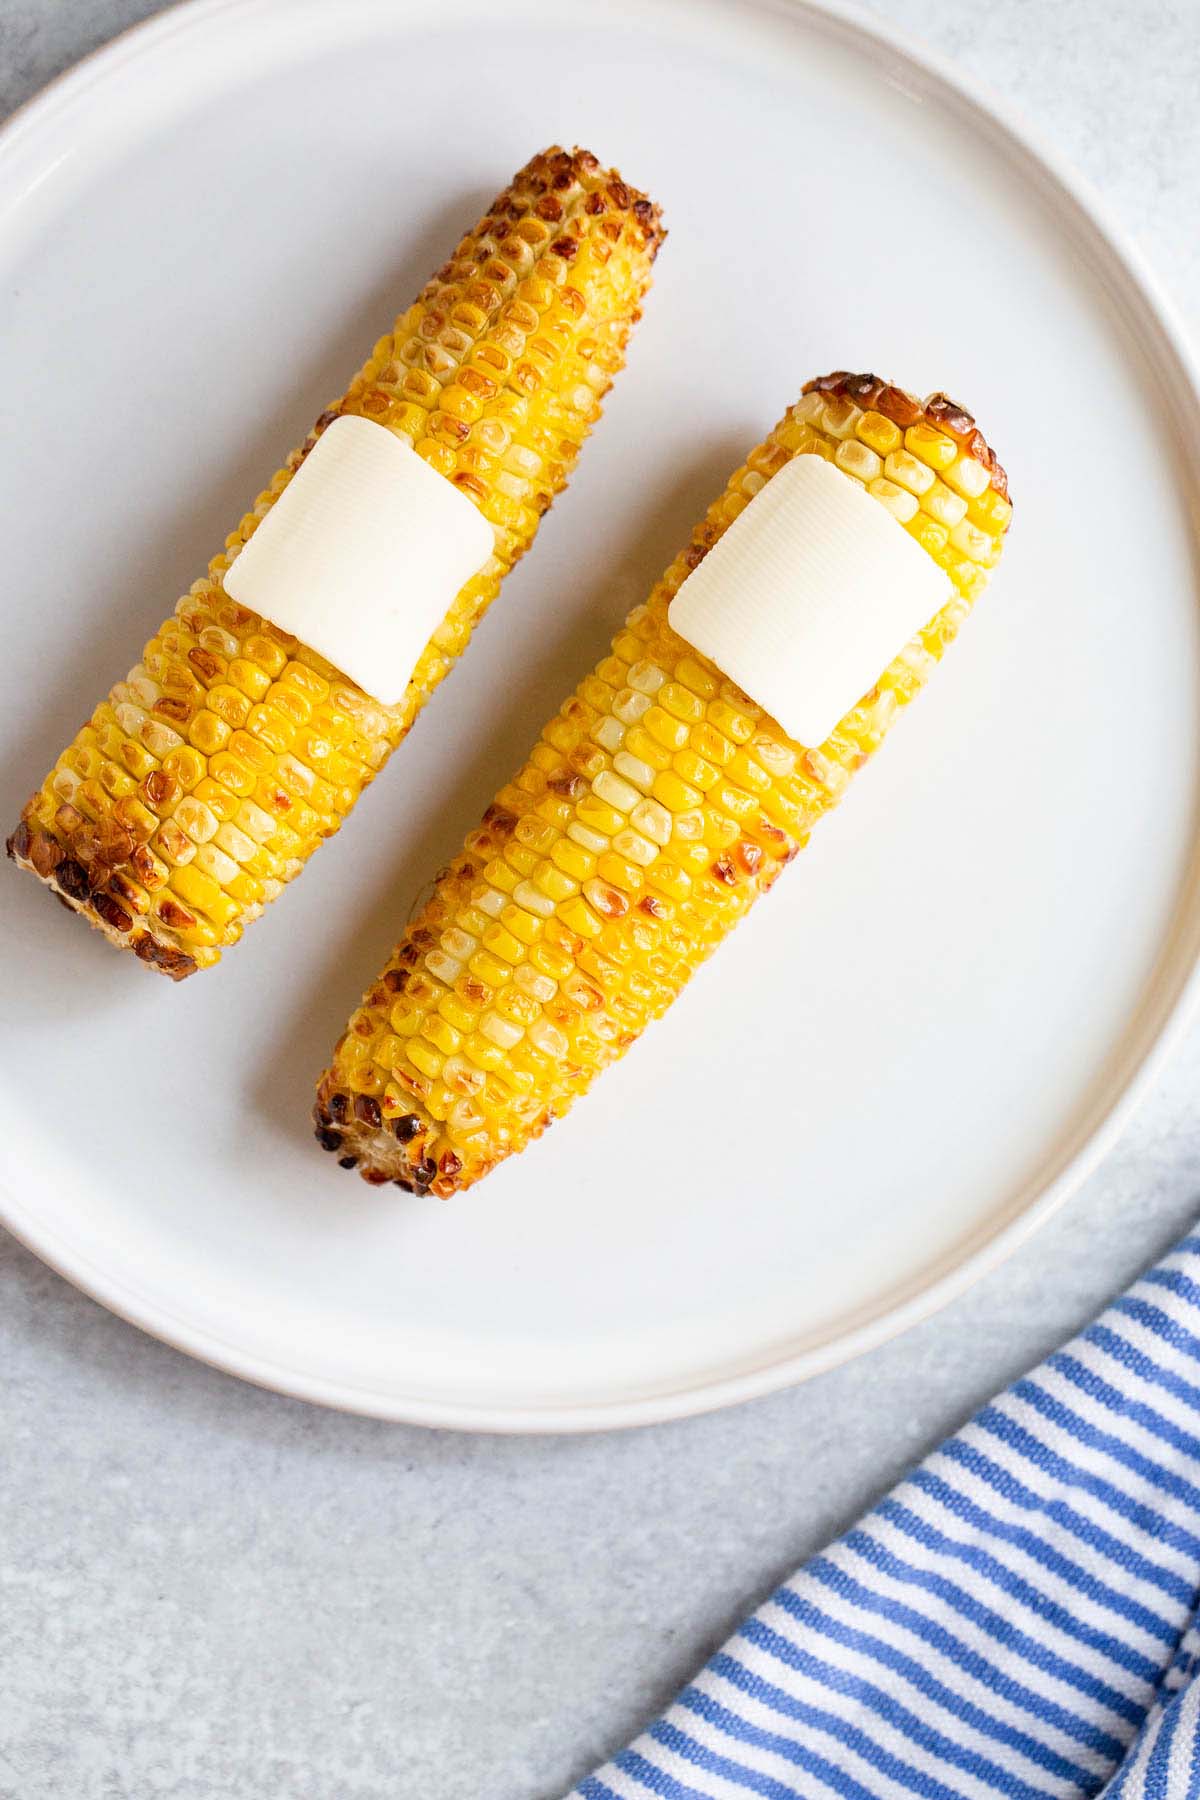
[[695, 770], [668, 732], [424, 1057], [489, 967], [676, 794], [732, 721], [619, 871], [579, 917], [694, 676], [878, 433], [574, 861], [595, 812], [930, 446], [680, 703]]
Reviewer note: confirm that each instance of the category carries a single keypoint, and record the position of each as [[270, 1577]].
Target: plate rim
[[706, 1392]]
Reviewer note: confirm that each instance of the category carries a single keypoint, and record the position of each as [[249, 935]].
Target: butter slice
[[808, 596], [362, 554]]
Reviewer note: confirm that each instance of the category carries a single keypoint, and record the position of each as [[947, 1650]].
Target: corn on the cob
[[205, 780], [657, 805]]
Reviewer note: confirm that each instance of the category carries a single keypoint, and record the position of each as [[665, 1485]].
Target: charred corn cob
[[657, 805], [206, 779]]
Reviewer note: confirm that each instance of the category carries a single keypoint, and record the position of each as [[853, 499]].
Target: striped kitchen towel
[[1016, 1618]]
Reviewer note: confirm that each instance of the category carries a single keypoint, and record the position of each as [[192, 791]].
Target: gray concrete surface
[[212, 1593]]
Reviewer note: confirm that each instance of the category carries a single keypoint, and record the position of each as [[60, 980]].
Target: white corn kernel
[[840, 417], [971, 541], [500, 1031], [858, 460], [548, 1039], [775, 757], [214, 862], [902, 467], [941, 504], [491, 901], [533, 899], [637, 848], [130, 718], [254, 820], [159, 738], [615, 792], [629, 705], [646, 677], [198, 820], [689, 825], [586, 838], [808, 408], [900, 504], [458, 943], [635, 770], [465, 1119], [653, 820], [299, 772], [539, 987], [966, 476], [445, 968], [235, 843], [609, 733]]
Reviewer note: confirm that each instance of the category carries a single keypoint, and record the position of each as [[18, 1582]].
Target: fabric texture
[[1016, 1618]]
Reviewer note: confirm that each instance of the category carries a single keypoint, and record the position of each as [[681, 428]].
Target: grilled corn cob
[[658, 804], [206, 779]]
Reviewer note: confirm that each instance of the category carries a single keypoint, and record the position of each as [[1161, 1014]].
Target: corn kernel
[[878, 433], [575, 858], [675, 794], [533, 899], [900, 504], [633, 769], [941, 504], [614, 793], [579, 917], [671, 733], [858, 460], [681, 703]]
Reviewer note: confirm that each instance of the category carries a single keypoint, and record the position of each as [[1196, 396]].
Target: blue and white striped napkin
[[1016, 1618]]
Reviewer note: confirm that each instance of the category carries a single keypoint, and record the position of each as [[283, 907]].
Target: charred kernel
[[106, 908], [18, 843], [425, 1170], [366, 1109], [407, 1127], [724, 870], [400, 1182], [72, 878], [45, 854], [338, 1108], [347, 1162], [328, 1140], [449, 1164]]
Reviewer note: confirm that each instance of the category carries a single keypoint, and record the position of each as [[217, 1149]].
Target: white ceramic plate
[[945, 1012]]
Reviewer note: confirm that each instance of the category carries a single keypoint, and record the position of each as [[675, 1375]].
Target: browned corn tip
[[554, 171], [79, 891], [904, 409]]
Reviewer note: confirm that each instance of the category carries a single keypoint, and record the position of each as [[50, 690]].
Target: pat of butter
[[808, 596], [362, 554]]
